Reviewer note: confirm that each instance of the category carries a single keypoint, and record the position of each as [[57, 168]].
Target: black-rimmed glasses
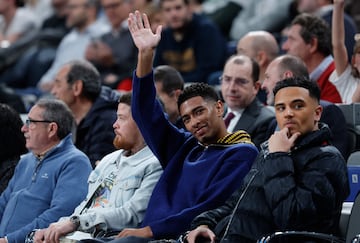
[[29, 121]]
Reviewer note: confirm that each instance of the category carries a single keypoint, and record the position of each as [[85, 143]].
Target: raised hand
[[141, 32]]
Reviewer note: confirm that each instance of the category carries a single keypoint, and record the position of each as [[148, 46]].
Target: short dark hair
[[125, 98], [240, 60], [12, 140], [88, 74], [315, 27], [57, 111], [302, 82], [294, 64], [170, 78], [198, 89]]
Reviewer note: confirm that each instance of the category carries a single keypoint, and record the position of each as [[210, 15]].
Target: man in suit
[[239, 87]]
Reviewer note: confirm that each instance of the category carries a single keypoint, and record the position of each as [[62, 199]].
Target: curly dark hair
[[12, 140], [315, 27], [198, 89]]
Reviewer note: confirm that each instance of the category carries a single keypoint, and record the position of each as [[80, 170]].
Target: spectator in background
[[287, 66], [34, 61], [309, 38], [78, 84], [191, 43], [114, 53], [239, 87], [268, 15], [169, 85], [12, 143], [81, 17], [50, 181], [15, 22], [119, 187], [346, 76], [324, 10], [263, 48]]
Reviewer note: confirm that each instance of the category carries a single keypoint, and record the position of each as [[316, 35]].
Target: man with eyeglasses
[[114, 54], [239, 87], [50, 180]]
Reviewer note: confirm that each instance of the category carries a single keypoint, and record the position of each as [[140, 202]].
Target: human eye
[[241, 81], [298, 106], [186, 120], [199, 112], [226, 79], [279, 108]]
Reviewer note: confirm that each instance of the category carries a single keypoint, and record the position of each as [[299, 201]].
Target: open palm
[[141, 32]]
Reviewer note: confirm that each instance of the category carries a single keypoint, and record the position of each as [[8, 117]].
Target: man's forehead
[[193, 103], [292, 93]]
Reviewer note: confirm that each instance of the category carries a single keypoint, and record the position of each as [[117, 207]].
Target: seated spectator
[[114, 54], [12, 143], [297, 182], [324, 10], [191, 43], [50, 181], [287, 66], [263, 48], [15, 22], [239, 87], [309, 38], [268, 15], [78, 84], [169, 85], [34, 60], [201, 167], [81, 17], [346, 76], [119, 187]]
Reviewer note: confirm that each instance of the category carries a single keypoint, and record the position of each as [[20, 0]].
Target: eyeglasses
[[237, 81], [29, 121]]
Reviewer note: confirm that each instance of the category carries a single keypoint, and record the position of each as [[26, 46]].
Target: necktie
[[228, 118]]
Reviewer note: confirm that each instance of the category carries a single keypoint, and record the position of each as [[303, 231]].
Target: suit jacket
[[255, 120]]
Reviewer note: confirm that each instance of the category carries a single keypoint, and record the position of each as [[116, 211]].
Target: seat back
[[354, 158], [353, 227]]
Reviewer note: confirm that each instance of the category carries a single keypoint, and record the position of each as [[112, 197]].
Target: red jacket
[[328, 90]]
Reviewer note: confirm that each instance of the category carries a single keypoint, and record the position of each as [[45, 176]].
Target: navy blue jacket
[[95, 133]]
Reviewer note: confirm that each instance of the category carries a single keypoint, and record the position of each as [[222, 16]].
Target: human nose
[[285, 46], [24, 128], [289, 112]]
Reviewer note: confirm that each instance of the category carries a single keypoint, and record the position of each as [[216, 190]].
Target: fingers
[[146, 21], [294, 136]]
